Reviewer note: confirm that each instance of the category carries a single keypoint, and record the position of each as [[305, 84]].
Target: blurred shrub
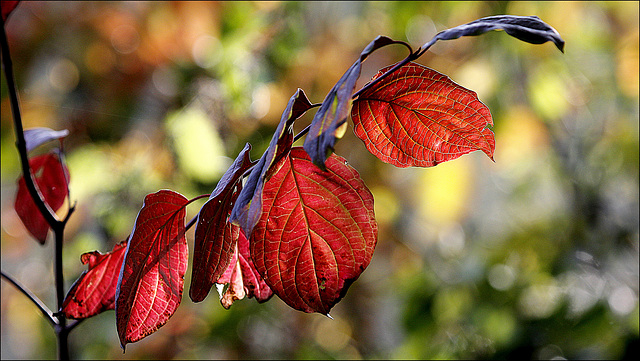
[[533, 256]]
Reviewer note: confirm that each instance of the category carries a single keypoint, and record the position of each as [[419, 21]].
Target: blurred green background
[[533, 256]]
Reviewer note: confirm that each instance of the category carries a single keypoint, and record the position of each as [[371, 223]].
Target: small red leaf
[[95, 290], [242, 277], [152, 276], [419, 117], [235, 291], [215, 237], [50, 177], [317, 232]]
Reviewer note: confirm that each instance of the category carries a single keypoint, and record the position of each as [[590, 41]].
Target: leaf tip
[[560, 46]]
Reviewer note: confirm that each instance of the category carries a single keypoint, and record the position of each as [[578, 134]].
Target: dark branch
[[46, 312], [21, 144]]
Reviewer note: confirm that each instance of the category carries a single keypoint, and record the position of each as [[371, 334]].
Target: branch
[[49, 215], [21, 144], [46, 312]]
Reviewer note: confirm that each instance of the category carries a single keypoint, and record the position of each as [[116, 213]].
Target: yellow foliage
[[443, 191]]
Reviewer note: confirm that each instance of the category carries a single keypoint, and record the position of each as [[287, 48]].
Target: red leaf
[[317, 232], [232, 277], [50, 176], [419, 117], [95, 290], [242, 276], [215, 237], [152, 276], [7, 7]]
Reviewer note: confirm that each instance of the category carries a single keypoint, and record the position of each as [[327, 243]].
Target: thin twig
[[46, 312]]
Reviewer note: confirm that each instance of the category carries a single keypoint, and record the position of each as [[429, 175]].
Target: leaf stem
[[191, 223], [398, 65], [305, 130], [196, 198], [61, 161], [194, 219], [412, 56], [301, 133]]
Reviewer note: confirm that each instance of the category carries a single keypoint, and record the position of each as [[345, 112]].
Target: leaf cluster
[[298, 222]]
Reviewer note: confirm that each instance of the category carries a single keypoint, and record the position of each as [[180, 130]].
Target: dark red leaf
[[419, 117], [242, 277], [248, 207], [317, 232], [152, 276], [50, 177], [7, 8], [95, 290], [329, 123], [215, 237]]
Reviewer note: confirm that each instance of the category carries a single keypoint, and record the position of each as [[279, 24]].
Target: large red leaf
[[242, 277], [419, 117], [51, 177], [152, 276], [316, 234], [215, 237], [95, 290]]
